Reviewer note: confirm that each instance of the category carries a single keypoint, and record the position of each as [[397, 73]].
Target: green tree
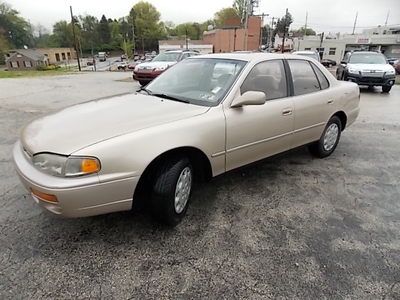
[[89, 33], [116, 36], [104, 31], [127, 47], [302, 32], [62, 34], [283, 24], [192, 30], [240, 7], [224, 14], [148, 28], [14, 28]]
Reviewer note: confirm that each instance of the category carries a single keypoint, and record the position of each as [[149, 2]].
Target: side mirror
[[343, 62], [250, 98]]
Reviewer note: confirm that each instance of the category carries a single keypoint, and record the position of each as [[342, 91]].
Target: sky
[[323, 15]]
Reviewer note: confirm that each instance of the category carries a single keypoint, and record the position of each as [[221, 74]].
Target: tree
[[240, 7], [302, 32], [148, 28], [104, 31], [127, 47], [89, 33], [224, 14], [283, 24], [14, 28], [62, 34]]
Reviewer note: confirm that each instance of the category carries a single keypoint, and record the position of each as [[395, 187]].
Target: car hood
[[85, 124], [156, 64], [371, 67]]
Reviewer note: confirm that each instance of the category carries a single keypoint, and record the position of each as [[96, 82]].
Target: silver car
[[204, 116]]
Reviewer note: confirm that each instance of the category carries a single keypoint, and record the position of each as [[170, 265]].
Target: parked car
[[147, 71], [203, 117], [132, 65], [328, 62], [367, 68], [396, 66], [124, 56], [122, 65], [310, 54], [392, 60]]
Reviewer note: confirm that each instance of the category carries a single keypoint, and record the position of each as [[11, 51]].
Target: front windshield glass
[[367, 59], [201, 81], [167, 56]]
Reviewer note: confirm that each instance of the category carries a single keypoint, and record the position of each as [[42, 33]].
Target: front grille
[[372, 73], [371, 80]]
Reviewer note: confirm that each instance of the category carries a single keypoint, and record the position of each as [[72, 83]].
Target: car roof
[[304, 52], [252, 57], [366, 52]]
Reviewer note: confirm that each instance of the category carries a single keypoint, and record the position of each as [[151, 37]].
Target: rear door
[[313, 101]]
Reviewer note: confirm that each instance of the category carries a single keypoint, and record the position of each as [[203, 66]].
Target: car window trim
[[286, 78]]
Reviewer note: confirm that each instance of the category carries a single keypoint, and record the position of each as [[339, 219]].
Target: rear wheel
[[386, 88], [329, 139], [171, 190], [142, 83]]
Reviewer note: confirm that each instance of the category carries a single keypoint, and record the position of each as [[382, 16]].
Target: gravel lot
[[288, 227]]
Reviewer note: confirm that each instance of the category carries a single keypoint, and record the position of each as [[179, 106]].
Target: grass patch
[[36, 73]]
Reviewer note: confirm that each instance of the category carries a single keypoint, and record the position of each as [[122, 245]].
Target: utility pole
[[186, 38], [355, 22], [270, 34], [73, 32], [133, 35], [284, 32], [321, 53], [248, 2], [305, 25], [387, 18]]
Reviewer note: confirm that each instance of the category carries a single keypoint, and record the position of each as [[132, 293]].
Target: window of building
[[321, 50], [63, 56], [57, 56], [27, 64], [69, 55], [14, 64], [268, 77], [304, 79], [307, 49], [332, 51]]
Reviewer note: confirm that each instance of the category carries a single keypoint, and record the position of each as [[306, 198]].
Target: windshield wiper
[[169, 97], [143, 89]]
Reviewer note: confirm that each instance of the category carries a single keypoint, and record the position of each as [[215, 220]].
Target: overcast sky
[[323, 15]]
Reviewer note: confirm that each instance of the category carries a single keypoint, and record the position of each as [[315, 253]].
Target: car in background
[[310, 54], [367, 68], [147, 71], [396, 66], [205, 116], [391, 60], [328, 62], [124, 56], [102, 56], [122, 65]]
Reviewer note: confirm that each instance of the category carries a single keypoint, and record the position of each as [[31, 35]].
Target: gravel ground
[[288, 227]]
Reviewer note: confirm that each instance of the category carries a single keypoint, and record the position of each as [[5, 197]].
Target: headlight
[[63, 166], [391, 72], [353, 71], [159, 69]]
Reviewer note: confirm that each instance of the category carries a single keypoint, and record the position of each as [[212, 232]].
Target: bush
[[47, 68]]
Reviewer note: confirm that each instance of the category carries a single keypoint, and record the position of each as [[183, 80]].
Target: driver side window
[[268, 77]]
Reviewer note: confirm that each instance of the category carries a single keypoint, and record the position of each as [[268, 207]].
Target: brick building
[[25, 59]]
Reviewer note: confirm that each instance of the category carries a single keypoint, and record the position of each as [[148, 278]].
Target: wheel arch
[[343, 118]]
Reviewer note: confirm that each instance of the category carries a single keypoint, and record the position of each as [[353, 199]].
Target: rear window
[[304, 79]]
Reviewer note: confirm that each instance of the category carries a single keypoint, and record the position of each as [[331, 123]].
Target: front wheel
[[329, 139], [172, 189], [142, 83], [386, 88]]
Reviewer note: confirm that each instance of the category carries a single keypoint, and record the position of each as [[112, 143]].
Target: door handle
[[330, 101], [287, 112]]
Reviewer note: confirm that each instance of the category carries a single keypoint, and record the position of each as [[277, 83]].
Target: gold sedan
[[202, 117]]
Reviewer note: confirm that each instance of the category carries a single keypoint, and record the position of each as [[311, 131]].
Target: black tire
[[318, 149], [164, 187], [142, 83], [386, 88]]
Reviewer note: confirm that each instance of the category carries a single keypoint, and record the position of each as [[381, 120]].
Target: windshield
[[167, 56], [201, 81], [367, 59]]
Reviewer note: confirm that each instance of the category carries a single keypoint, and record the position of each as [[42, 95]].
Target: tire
[[386, 89], [142, 83], [167, 206], [325, 145]]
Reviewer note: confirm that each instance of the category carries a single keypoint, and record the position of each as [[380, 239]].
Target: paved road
[[288, 227]]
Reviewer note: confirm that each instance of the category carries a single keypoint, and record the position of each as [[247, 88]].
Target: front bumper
[[387, 80], [145, 75], [76, 197]]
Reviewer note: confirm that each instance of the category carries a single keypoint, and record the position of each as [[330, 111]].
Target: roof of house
[[30, 53]]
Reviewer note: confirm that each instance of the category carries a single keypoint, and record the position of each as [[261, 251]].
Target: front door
[[254, 132]]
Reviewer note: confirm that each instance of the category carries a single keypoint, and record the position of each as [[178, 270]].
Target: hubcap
[[331, 135], [182, 190]]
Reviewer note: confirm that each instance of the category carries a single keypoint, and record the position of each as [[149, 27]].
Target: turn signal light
[[90, 165], [44, 196]]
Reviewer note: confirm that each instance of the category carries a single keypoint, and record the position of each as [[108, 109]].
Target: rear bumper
[[372, 81], [76, 197]]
